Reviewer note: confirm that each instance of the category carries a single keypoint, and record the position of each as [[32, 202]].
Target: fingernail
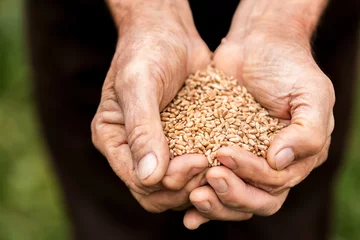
[[284, 158], [228, 162], [203, 206], [146, 166], [218, 184]]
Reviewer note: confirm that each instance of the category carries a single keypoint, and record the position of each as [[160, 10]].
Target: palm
[[282, 75], [274, 72]]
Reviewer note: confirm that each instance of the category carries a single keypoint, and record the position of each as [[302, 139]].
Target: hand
[[277, 68], [158, 47]]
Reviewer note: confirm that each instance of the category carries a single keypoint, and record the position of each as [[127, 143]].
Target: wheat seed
[[213, 110]]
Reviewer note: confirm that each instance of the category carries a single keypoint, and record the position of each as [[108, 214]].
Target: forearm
[[127, 11], [298, 17], [150, 12]]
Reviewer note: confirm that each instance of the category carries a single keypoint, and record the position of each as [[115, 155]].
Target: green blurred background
[[30, 200]]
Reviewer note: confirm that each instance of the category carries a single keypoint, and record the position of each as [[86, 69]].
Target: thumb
[[138, 94], [304, 137], [228, 58]]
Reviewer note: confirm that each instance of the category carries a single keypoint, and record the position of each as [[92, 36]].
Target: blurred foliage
[[347, 191], [30, 201], [30, 206]]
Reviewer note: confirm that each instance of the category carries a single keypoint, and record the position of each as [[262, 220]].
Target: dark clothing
[[71, 45]]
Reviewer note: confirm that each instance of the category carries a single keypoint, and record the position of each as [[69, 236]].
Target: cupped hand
[[158, 47], [279, 71]]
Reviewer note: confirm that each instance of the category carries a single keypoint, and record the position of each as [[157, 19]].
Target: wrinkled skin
[[158, 47], [282, 75], [150, 65]]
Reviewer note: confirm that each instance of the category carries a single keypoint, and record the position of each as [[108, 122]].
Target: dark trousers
[[71, 45]]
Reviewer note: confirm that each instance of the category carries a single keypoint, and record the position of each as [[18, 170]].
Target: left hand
[[280, 72]]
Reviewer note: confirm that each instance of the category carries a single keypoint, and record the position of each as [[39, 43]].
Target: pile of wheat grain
[[213, 110]]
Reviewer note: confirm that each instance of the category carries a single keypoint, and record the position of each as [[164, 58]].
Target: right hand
[[158, 48]]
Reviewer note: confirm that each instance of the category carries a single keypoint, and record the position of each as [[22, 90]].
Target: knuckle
[[270, 209], [131, 73], [218, 172], [318, 135], [273, 186], [94, 122], [295, 180], [323, 156], [272, 191], [248, 216], [172, 183], [331, 91], [150, 207], [278, 181], [139, 135], [229, 201], [129, 184], [138, 189], [92, 125], [317, 143], [94, 131], [277, 191], [331, 124], [232, 201], [292, 180], [132, 185], [141, 69]]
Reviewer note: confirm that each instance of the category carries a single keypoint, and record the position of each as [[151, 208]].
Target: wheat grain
[[212, 111]]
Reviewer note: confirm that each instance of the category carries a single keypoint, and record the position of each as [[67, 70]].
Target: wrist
[[296, 19], [128, 13]]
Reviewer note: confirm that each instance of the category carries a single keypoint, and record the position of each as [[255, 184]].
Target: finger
[[255, 170], [207, 203], [138, 94], [183, 207], [106, 125], [235, 194], [182, 169], [228, 57], [111, 142], [323, 155], [312, 122], [109, 137], [193, 219], [161, 201]]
